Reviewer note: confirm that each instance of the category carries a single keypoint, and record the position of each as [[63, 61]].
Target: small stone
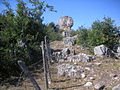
[[92, 78], [98, 64], [61, 60], [116, 78], [89, 64], [83, 75], [116, 87], [87, 68], [99, 87], [88, 84]]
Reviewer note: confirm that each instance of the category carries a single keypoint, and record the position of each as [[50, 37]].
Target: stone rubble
[[81, 57], [99, 86], [69, 70], [69, 41], [88, 84], [117, 87]]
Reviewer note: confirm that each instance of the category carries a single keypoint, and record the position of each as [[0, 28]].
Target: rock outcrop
[[65, 23]]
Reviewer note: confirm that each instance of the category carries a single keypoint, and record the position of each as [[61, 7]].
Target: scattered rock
[[88, 84], [83, 75], [99, 87], [92, 78], [62, 55], [69, 70], [102, 51], [116, 49], [65, 52], [98, 64], [116, 87], [87, 68], [61, 60], [81, 57], [69, 41], [89, 64]]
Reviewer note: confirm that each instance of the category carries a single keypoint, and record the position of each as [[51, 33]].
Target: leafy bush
[[83, 36], [21, 33], [102, 32], [53, 32]]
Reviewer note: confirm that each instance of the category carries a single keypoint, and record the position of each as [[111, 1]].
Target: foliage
[[102, 32], [21, 33], [83, 36], [53, 32]]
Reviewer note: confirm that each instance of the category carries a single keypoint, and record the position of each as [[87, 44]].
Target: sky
[[83, 12]]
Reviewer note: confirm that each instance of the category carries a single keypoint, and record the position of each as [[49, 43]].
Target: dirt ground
[[102, 71]]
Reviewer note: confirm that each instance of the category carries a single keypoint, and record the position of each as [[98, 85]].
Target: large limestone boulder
[[65, 23], [102, 51]]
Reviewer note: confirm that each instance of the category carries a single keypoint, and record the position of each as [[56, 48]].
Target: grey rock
[[56, 56], [69, 41], [62, 55], [65, 52], [99, 87], [102, 51], [116, 49], [92, 78], [65, 23], [89, 64], [88, 84], [69, 70], [97, 63], [83, 75], [81, 57], [116, 87], [66, 33]]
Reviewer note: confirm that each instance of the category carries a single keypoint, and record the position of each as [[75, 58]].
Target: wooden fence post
[[44, 65], [48, 59], [26, 71]]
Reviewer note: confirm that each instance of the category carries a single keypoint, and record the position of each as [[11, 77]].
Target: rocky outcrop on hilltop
[[65, 23]]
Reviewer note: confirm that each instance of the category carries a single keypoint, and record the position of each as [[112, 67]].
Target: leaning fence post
[[48, 58], [26, 71], [44, 65]]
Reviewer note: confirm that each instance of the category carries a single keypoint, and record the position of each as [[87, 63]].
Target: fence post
[[26, 71], [44, 65], [48, 59]]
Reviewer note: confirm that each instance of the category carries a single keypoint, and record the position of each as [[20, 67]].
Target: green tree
[[53, 32], [83, 36], [21, 33], [103, 32]]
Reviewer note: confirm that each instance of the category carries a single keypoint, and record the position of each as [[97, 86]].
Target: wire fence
[[46, 57], [48, 70]]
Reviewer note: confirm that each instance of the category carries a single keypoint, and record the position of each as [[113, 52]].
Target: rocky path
[[83, 72], [97, 74]]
